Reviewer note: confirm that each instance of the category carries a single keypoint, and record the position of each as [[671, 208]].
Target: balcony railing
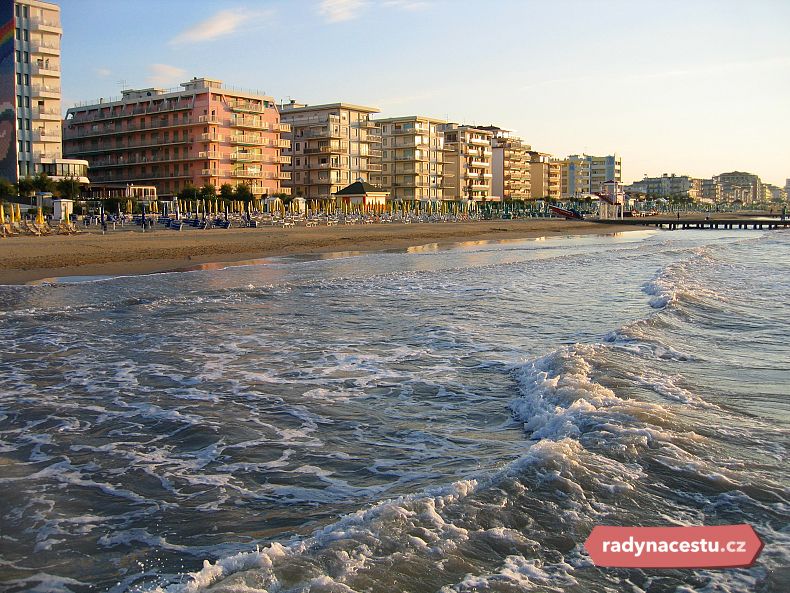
[[45, 70], [208, 119], [48, 114], [37, 23], [246, 106], [246, 173], [210, 172], [45, 136], [480, 164], [44, 47], [45, 91], [209, 137], [209, 155], [253, 123]]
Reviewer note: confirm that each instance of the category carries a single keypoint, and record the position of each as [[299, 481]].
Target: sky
[[691, 87]]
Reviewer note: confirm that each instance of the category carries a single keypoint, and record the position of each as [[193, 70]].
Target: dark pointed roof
[[359, 188]]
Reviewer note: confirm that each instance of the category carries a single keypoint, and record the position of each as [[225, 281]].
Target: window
[[26, 36], [27, 58], [18, 56], [27, 80], [19, 102], [19, 79], [19, 33]]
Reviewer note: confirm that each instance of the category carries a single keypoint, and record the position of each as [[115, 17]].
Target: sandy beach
[[126, 251]]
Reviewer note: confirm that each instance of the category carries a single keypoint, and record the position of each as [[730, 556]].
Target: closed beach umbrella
[[39, 216], [2, 214]]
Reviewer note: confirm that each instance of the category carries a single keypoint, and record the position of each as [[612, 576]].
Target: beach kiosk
[[362, 195]]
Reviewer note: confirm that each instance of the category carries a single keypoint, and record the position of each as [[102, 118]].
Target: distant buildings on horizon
[[207, 133]]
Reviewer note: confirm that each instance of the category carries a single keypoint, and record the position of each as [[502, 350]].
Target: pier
[[702, 223]]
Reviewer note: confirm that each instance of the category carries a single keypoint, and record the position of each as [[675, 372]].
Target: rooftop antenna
[[124, 84]]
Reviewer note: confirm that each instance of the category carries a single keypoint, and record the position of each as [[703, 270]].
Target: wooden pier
[[702, 223]]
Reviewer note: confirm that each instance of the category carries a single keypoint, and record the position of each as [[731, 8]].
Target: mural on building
[[7, 90]]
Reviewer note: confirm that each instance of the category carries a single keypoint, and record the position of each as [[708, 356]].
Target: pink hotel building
[[203, 133]]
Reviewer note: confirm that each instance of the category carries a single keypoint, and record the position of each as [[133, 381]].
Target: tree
[[226, 192], [244, 193], [42, 183], [188, 192], [68, 188], [208, 192], [7, 190], [26, 187]]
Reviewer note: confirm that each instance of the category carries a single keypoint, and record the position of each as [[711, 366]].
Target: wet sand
[[27, 259]]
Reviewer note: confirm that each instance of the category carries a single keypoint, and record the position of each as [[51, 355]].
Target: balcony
[[45, 136], [479, 186], [45, 25], [45, 91], [246, 173], [247, 139], [246, 106], [318, 134], [284, 160], [44, 47], [371, 167], [209, 137], [209, 155], [208, 119], [479, 142], [52, 71], [371, 138], [281, 127], [210, 172], [48, 114], [249, 157], [283, 143], [251, 123], [282, 175], [471, 151], [480, 164]]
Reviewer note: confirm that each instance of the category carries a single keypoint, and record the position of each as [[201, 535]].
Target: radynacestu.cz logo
[[722, 546]]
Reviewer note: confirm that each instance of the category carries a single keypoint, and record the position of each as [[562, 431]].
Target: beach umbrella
[[39, 216], [18, 214], [2, 214]]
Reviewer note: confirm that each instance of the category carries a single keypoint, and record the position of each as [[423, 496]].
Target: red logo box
[[723, 546]]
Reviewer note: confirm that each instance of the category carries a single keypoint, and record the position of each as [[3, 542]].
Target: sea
[[432, 420]]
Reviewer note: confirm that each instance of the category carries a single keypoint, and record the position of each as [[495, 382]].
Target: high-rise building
[[412, 157], [467, 163], [202, 133], [711, 190], [510, 165], [332, 146], [586, 174], [30, 120], [544, 176]]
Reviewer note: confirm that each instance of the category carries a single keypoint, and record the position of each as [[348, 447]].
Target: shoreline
[[26, 260]]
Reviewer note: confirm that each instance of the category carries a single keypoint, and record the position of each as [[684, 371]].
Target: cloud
[[220, 24], [103, 72], [164, 75], [336, 11], [406, 4]]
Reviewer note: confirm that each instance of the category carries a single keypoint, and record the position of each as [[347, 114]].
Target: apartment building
[[710, 190], [669, 186], [545, 175], [331, 146], [30, 115], [510, 165], [467, 163], [412, 158], [201, 133], [740, 186], [585, 174]]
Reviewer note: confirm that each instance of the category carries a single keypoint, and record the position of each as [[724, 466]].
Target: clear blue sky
[[692, 87]]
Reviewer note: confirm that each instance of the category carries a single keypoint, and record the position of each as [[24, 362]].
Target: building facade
[[30, 113], [510, 166], [331, 146], [669, 186], [202, 133], [585, 174], [412, 158], [467, 163], [739, 186], [544, 176]]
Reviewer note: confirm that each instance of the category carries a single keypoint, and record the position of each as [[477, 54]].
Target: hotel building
[[467, 163], [30, 115], [586, 174], [510, 167], [413, 158], [669, 185], [544, 176], [331, 146], [740, 186], [202, 133]]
